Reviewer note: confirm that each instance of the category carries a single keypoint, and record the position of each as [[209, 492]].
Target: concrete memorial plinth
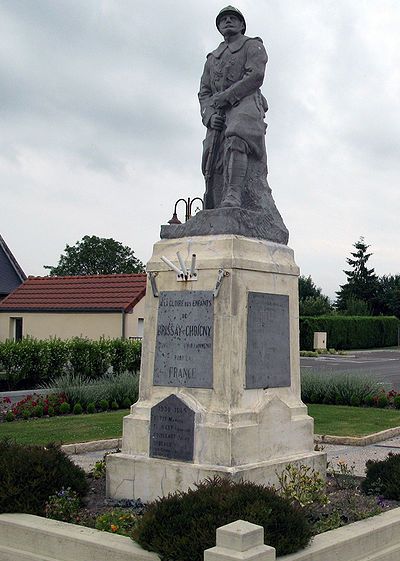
[[220, 375]]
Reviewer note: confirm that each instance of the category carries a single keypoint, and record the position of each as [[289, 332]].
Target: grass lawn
[[68, 429], [339, 420], [342, 420]]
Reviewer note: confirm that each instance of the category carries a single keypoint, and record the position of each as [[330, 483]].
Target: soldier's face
[[229, 24]]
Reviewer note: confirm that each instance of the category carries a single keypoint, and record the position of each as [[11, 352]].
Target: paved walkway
[[351, 455]]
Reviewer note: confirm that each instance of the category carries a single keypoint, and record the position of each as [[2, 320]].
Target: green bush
[[78, 409], [9, 416], [347, 332], [114, 405], [38, 411], [30, 474], [382, 401], [383, 477], [396, 402], [190, 519], [91, 407], [29, 363], [104, 404], [127, 403], [65, 408]]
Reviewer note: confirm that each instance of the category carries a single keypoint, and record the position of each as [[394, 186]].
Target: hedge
[[29, 363], [350, 332]]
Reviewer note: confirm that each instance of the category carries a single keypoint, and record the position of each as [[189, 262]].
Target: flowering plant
[[32, 404], [5, 405], [64, 506], [117, 521]]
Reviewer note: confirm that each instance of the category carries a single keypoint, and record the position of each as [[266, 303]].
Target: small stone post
[[240, 541]]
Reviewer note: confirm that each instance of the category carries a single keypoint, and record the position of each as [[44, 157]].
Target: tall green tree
[[388, 295], [361, 286], [96, 256], [311, 300]]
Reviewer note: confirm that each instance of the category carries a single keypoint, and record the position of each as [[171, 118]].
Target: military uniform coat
[[237, 69]]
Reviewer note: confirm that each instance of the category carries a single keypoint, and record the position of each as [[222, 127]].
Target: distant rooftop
[[91, 293], [11, 274]]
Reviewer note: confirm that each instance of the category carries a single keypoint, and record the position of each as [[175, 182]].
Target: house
[[91, 306], [11, 274]]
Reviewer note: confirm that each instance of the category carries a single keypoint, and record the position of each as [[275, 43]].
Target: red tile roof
[[91, 293]]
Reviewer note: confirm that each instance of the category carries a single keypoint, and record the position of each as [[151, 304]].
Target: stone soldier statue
[[238, 199]]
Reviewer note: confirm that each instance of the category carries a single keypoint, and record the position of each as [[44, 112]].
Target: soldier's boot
[[236, 173]]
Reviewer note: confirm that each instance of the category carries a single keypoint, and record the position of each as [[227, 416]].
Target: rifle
[[210, 165]]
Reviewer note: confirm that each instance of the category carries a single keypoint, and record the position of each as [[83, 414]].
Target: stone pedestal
[[220, 374]]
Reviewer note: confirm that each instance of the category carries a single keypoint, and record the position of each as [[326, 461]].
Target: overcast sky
[[101, 134]]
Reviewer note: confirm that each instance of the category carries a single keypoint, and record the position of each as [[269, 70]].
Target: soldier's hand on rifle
[[217, 122], [219, 100]]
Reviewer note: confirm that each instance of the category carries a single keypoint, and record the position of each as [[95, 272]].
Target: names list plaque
[[172, 430], [268, 341], [184, 339]]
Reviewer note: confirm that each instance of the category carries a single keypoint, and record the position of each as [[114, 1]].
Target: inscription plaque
[[184, 340], [268, 341], [172, 430]]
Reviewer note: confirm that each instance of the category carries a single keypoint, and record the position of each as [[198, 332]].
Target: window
[[16, 328]]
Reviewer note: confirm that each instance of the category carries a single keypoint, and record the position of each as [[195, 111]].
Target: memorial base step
[[138, 477]]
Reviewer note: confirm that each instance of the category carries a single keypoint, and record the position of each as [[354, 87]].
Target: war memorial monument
[[220, 374]]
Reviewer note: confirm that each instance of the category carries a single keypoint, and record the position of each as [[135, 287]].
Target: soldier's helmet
[[235, 12]]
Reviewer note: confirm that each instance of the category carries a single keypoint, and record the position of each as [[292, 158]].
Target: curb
[[358, 441], [92, 446]]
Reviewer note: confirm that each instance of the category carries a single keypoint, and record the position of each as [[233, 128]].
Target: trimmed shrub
[[383, 477], [91, 407], [382, 401], [29, 363], [65, 408], [38, 411], [350, 332], [396, 402], [78, 409], [114, 405], [126, 403], [30, 474], [190, 519], [104, 405], [9, 416]]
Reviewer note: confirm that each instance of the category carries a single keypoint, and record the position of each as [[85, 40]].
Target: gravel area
[[351, 455]]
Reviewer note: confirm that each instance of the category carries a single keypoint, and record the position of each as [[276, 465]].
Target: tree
[[361, 282], [388, 295], [311, 300], [96, 256]]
